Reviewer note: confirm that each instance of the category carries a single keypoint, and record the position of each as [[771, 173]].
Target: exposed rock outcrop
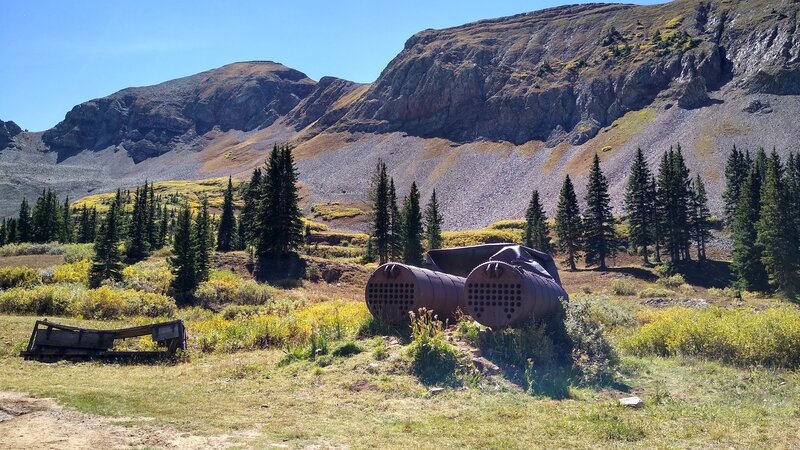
[[7, 131], [149, 121]]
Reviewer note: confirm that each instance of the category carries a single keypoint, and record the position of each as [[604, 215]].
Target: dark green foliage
[[775, 236], [598, 224], [138, 247], [412, 228], [151, 229], [67, 227], [248, 223], [747, 265], [3, 233], [395, 225], [280, 221], [85, 226], [24, 228], [183, 259], [639, 204], [568, 222], [380, 226], [107, 262], [593, 357], [204, 243], [163, 227], [673, 199], [226, 234], [433, 223], [537, 231], [699, 216], [736, 170], [47, 218]]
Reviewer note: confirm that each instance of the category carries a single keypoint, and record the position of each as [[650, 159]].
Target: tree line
[[397, 234]]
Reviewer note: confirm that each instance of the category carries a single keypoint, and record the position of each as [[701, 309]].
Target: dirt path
[[27, 422]]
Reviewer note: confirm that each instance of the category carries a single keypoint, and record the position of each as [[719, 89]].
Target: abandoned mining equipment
[[499, 285], [51, 341]]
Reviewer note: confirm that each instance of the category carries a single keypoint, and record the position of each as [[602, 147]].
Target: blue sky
[[56, 54]]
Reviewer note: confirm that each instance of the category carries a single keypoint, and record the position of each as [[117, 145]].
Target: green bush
[[106, 302], [623, 287], [672, 282], [594, 359], [657, 292], [78, 252], [12, 277], [53, 300], [607, 312], [148, 276], [738, 336], [345, 349], [510, 224], [433, 359], [226, 287]]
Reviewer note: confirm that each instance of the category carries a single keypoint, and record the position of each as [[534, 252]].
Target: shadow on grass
[[707, 274]]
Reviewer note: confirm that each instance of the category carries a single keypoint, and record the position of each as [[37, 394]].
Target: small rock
[[265, 406], [436, 390], [631, 402], [476, 353]]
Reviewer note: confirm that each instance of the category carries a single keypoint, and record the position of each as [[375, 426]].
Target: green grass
[[689, 403], [335, 210]]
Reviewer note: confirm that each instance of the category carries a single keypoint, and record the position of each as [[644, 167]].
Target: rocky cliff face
[[563, 73], [7, 131], [150, 121]]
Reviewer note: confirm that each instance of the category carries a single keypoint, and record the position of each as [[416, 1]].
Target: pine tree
[[793, 188], [183, 261], [204, 243], [163, 227], [13, 236], [380, 225], [747, 265], [93, 225], [639, 206], [151, 230], [433, 223], [736, 169], [776, 239], [269, 208], [699, 216], [537, 231], [248, 220], [67, 231], [656, 214], [598, 226], [83, 225], [3, 233], [412, 228], [24, 232], [290, 220], [226, 236], [673, 198], [107, 262], [395, 225], [568, 222], [137, 247]]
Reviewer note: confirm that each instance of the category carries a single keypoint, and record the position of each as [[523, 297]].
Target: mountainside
[[482, 112]]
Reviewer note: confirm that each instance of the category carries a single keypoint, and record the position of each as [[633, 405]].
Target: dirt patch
[[32, 261], [27, 422]]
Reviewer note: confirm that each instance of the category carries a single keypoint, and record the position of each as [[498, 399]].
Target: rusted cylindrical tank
[[499, 294], [394, 290]]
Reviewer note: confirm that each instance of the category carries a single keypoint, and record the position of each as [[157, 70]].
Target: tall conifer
[[568, 222], [537, 231], [412, 228], [433, 223], [226, 237], [107, 262], [599, 235], [639, 206]]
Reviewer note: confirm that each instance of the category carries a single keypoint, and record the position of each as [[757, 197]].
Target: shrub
[[593, 357], [50, 248], [728, 292], [12, 277], [148, 276], [656, 292], [512, 224], [232, 312], [476, 237], [738, 336], [622, 287], [225, 287], [75, 272], [41, 300], [517, 346], [674, 281], [14, 249], [345, 349], [312, 272], [78, 252], [607, 312], [107, 302], [433, 359]]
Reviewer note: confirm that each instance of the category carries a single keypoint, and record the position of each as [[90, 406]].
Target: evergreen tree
[[183, 261], [226, 237], [290, 220], [151, 230], [747, 265], [380, 225], [67, 231], [412, 228], [395, 225], [699, 216], [107, 262], [93, 225], [537, 231], [673, 192], [13, 236], [269, 244], [568, 222], [656, 213], [24, 228], [736, 169], [83, 225], [639, 206], [3, 233], [163, 227], [137, 247], [598, 225], [760, 164], [248, 223], [433, 223], [774, 235], [204, 243]]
